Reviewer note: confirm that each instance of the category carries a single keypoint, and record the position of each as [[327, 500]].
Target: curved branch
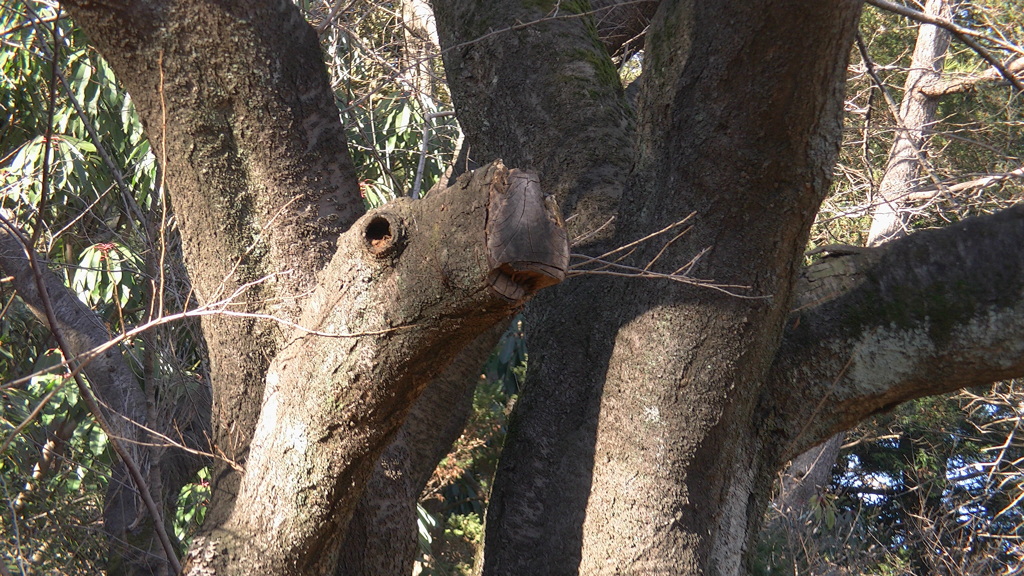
[[382, 537], [78, 331], [81, 328], [444, 270], [235, 98], [931, 313]]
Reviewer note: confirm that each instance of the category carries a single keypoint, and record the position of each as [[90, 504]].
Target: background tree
[[738, 121], [951, 156]]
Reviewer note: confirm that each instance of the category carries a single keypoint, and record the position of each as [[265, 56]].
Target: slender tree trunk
[[916, 117], [420, 48]]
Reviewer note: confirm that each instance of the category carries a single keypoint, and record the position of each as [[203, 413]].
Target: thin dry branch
[[606, 267], [219, 308], [894, 109], [921, 194], [966, 83]]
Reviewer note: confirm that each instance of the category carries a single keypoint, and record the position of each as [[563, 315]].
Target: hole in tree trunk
[[383, 235]]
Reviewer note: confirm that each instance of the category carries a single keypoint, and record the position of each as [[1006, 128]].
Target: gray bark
[[382, 538], [655, 413], [575, 486], [401, 297], [810, 472], [544, 96], [236, 103], [806, 477], [934, 312], [889, 219]]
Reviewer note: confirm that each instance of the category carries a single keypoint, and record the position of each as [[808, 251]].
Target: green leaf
[[97, 441]]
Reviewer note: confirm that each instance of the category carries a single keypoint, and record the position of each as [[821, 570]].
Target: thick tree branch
[[111, 378], [382, 537], [236, 100], [419, 280], [931, 313]]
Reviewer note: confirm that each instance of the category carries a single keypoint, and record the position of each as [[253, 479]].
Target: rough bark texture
[[235, 100], [655, 414], [742, 89], [806, 477], [812, 470], [404, 295], [382, 538], [541, 93], [920, 322]]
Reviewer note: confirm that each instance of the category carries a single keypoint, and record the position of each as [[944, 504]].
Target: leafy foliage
[[388, 85], [56, 462]]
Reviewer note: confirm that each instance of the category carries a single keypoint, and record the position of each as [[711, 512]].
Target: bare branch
[[982, 182], [967, 83], [606, 267]]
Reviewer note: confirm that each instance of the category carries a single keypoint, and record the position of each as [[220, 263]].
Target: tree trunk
[[420, 50], [262, 184], [916, 115], [382, 538], [656, 412], [401, 297], [673, 372], [236, 103]]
